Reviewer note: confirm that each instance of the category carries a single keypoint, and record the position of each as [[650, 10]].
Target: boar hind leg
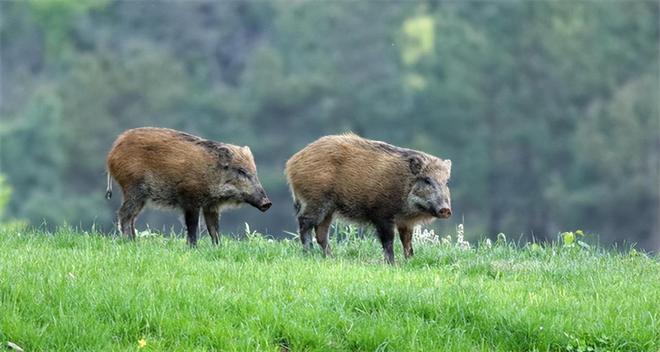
[[127, 214], [305, 225], [310, 217], [192, 220], [405, 234], [211, 217], [385, 231], [321, 231]]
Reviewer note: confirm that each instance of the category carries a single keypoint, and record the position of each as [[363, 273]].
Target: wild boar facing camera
[[370, 182]]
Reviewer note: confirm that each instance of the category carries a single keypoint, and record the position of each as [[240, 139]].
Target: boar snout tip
[[265, 205], [444, 213]]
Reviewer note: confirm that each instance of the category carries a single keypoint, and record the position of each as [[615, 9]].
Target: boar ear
[[416, 164], [224, 155], [448, 167]]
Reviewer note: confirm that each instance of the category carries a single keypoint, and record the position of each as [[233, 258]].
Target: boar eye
[[427, 180], [242, 172]]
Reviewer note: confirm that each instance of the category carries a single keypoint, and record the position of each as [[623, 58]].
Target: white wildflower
[[424, 235], [460, 241], [446, 240]]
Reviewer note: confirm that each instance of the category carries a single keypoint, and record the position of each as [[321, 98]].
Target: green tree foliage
[[548, 109], [5, 195]]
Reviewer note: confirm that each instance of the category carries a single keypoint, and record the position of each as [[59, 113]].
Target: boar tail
[[296, 206], [108, 189]]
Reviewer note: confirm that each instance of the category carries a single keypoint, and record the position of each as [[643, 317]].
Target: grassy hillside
[[70, 291]]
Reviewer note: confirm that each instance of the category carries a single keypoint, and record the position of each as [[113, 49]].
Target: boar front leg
[[192, 220], [212, 218], [385, 231], [405, 234]]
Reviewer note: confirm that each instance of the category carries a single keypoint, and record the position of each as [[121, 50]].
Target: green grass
[[70, 291]]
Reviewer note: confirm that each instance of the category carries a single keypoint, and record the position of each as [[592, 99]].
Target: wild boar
[[369, 182], [173, 169]]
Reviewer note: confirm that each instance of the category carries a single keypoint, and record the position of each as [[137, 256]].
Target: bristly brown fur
[[176, 169], [361, 180]]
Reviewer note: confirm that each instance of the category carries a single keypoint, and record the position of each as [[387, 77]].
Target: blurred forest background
[[548, 109]]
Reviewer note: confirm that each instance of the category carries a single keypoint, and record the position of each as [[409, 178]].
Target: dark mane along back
[[213, 147], [404, 153]]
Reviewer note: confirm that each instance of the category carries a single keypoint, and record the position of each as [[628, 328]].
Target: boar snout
[[265, 204], [260, 200], [443, 211]]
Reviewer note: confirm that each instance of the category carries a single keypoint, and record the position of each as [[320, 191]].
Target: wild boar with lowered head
[[174, 169], [367, 181]]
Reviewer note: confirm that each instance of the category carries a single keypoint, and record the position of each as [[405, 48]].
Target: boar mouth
[[428, 209], [265, 206], [261, 204]]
